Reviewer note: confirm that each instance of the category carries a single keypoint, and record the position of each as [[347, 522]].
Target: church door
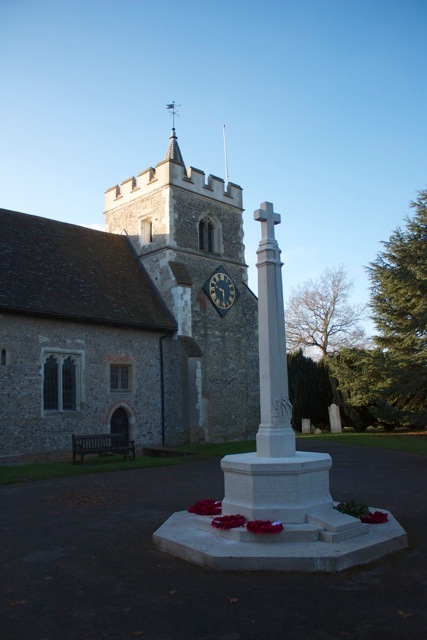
[[119, 422]]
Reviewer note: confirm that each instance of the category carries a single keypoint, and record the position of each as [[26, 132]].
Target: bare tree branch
[[319, 315]]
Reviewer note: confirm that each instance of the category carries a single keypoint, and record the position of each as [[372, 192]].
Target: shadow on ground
[[77, 561]]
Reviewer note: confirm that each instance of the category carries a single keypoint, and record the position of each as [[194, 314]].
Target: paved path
[[77, 562]]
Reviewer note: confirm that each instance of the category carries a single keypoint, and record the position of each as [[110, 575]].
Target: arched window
[[209, 235], [60, 382], [50, 384], [69, 384]]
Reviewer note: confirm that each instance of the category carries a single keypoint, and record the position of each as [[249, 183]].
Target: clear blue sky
[[324, 102]]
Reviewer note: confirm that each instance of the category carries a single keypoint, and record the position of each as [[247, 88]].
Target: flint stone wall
[[23, 426]]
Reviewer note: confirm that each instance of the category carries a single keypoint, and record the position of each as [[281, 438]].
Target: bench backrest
[[99, 440]]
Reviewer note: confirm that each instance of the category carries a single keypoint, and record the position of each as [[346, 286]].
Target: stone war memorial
[[276, 498]]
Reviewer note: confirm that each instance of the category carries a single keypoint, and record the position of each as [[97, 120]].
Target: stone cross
[[267, 215], [275, 437]]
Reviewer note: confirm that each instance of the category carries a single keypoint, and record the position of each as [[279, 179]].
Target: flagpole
[[225, 157]]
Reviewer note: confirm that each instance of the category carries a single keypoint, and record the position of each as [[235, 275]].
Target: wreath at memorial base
[[228, 522], [264, 526], [361, 511], [352, 508], [206, 508], [378, 517]]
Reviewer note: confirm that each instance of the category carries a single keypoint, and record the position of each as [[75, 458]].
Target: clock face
[[221, 291]]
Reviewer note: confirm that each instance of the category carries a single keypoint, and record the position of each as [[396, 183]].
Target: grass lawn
[[408, 443], [46, 470]]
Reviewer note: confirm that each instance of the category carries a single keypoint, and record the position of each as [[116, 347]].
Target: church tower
[[188, 233]]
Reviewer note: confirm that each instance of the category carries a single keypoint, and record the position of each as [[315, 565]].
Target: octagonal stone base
[[294, 490], [298, 548], [285, 489]]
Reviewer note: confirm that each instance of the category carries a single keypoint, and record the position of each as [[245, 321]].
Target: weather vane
[[173, 111]]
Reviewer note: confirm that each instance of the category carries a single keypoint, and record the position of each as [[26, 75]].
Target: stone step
[[358, 530], [332, 520], [290, 533]]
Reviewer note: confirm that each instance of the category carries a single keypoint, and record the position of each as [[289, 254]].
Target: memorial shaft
[[275, 437]]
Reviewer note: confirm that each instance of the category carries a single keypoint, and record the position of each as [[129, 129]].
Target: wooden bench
[[102, 443]]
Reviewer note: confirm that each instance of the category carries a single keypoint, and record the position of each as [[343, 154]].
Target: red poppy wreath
[[206, 508], [264, 526], [378, 517], [228, 522]]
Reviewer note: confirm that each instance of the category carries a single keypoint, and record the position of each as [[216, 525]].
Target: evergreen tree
[[353, 376], [309, 390], [399, 304]]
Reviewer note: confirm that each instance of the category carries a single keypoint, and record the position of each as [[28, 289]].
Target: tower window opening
[[209, 236], [201, 234], [145, 232]]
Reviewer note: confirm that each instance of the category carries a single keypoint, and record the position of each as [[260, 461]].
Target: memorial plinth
[[284, 489], [276, 482]]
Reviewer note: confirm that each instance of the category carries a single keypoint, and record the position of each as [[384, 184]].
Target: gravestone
[[335, 418], [306, 425]]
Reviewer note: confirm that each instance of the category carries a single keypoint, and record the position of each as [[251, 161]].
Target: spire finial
[[173, 152], [172, 108]]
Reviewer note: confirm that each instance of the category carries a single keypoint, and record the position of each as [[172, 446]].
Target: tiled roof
[[55, 269], [174, 152], [190, 346], [181, 273]]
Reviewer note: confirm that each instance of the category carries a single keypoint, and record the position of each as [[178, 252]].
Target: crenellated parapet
[[169, 173]]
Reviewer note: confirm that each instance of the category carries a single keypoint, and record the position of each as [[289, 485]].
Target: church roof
[[174, 152], [60, 270], [181, 273]]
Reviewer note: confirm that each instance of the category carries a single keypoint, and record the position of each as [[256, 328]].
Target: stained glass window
[[61, 378], [50, 384], [69, 384]]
